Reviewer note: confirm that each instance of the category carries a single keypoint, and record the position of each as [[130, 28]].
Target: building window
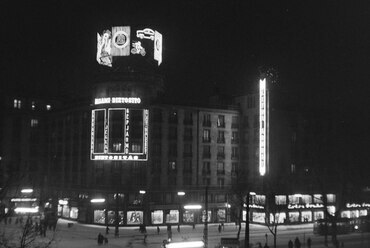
[[117, 147], [173, 117], [206, 135], [235, 122], [220, 168], [280, 199], [220, 152], [206, 170], [188, 150], [221, 137], [48, 107], [235, 137], [34, 122], [292, 168], [234, 168], [234, 152], [188, 134], [33, 105], [221, 121], [220, 182], [172, 165], [188, 118], [330, 198], [187, 166], [206, 120], [17, 103], [206, 151]]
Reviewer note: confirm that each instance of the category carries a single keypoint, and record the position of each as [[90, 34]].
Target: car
[[146, 33]]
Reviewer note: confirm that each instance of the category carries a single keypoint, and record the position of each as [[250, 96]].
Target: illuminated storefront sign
[[297, 206], [262, 148], [355, 205], [119, 134], [124, 100]]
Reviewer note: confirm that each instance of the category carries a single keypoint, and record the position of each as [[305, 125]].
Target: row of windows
[[220, 136], [17, 104], [220, 152]]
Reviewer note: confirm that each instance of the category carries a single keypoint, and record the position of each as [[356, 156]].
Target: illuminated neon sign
[[117, 100], [262, 140], [119, 134]]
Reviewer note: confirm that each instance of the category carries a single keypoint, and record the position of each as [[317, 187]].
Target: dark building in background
[[124, 155]]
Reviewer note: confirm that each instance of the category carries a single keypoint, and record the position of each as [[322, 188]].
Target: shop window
[[157, 217], [172, 216], [134, 217], [317, 198], [260, 199], [306, 216], [330, 198], [258, 217], [99, 216], [279, 218], [306, 199], [280, 199], [294, 199], [317, 215], [221, 121], [293, 217]]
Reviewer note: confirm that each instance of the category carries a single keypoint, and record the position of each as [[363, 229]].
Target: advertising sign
[[129, 41], [262, 152], [134, 217]]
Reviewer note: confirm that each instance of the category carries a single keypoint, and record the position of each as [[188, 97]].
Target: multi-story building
[[122, 155]]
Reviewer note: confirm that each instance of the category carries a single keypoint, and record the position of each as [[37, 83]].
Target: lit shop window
[[48, 107], [330, 198], [280, 199], [34, 122], [17, 103]]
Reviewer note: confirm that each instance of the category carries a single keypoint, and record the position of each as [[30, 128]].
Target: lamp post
[[205, 232]]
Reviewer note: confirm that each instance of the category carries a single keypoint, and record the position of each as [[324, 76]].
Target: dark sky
[[320, 48]]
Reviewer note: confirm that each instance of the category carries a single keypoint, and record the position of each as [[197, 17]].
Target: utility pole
[[205, 232], [246, 244]]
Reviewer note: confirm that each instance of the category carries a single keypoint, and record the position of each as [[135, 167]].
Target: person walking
[[158, 230], [290, 244], [309, 242], [297, 243], [219, 228]]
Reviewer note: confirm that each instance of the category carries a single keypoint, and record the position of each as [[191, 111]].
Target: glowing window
[[34, 122], [221, 121], [17, 103]]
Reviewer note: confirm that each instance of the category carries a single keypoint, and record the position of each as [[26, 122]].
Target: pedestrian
[[100, 239], [219, 228], [290, 244], [223, 226], [309, 242], [297, 243], [107, 230], [158, 230], [145, 236], [178, 228], [193, 226]]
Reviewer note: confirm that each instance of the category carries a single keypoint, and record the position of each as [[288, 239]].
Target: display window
[[345, 214], [363, 212], [73, 213], [99, 216], [306, 216], [135, 217], [317, 215], [172, 216], [355, 213], [258, 217], [188, 216], [209, 215], [65, 212], [293, 217], [157, 217], [221, 215], [279, 218]]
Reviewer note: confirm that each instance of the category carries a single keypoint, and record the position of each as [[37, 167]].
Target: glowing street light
[[97, 200], [192, 207], [181, 193], [190, 244], [26, 191]]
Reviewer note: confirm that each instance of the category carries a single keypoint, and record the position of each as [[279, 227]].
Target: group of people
[[102, 239], [297, 243]]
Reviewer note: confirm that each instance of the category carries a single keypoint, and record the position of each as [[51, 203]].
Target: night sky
[[321, 49]]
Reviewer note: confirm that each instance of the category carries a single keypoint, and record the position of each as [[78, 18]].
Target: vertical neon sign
[[262, 155]]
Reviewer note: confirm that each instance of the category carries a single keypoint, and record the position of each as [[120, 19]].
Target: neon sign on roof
[[122, 100]]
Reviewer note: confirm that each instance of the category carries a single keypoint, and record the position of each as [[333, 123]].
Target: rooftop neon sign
[[122, 100]]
